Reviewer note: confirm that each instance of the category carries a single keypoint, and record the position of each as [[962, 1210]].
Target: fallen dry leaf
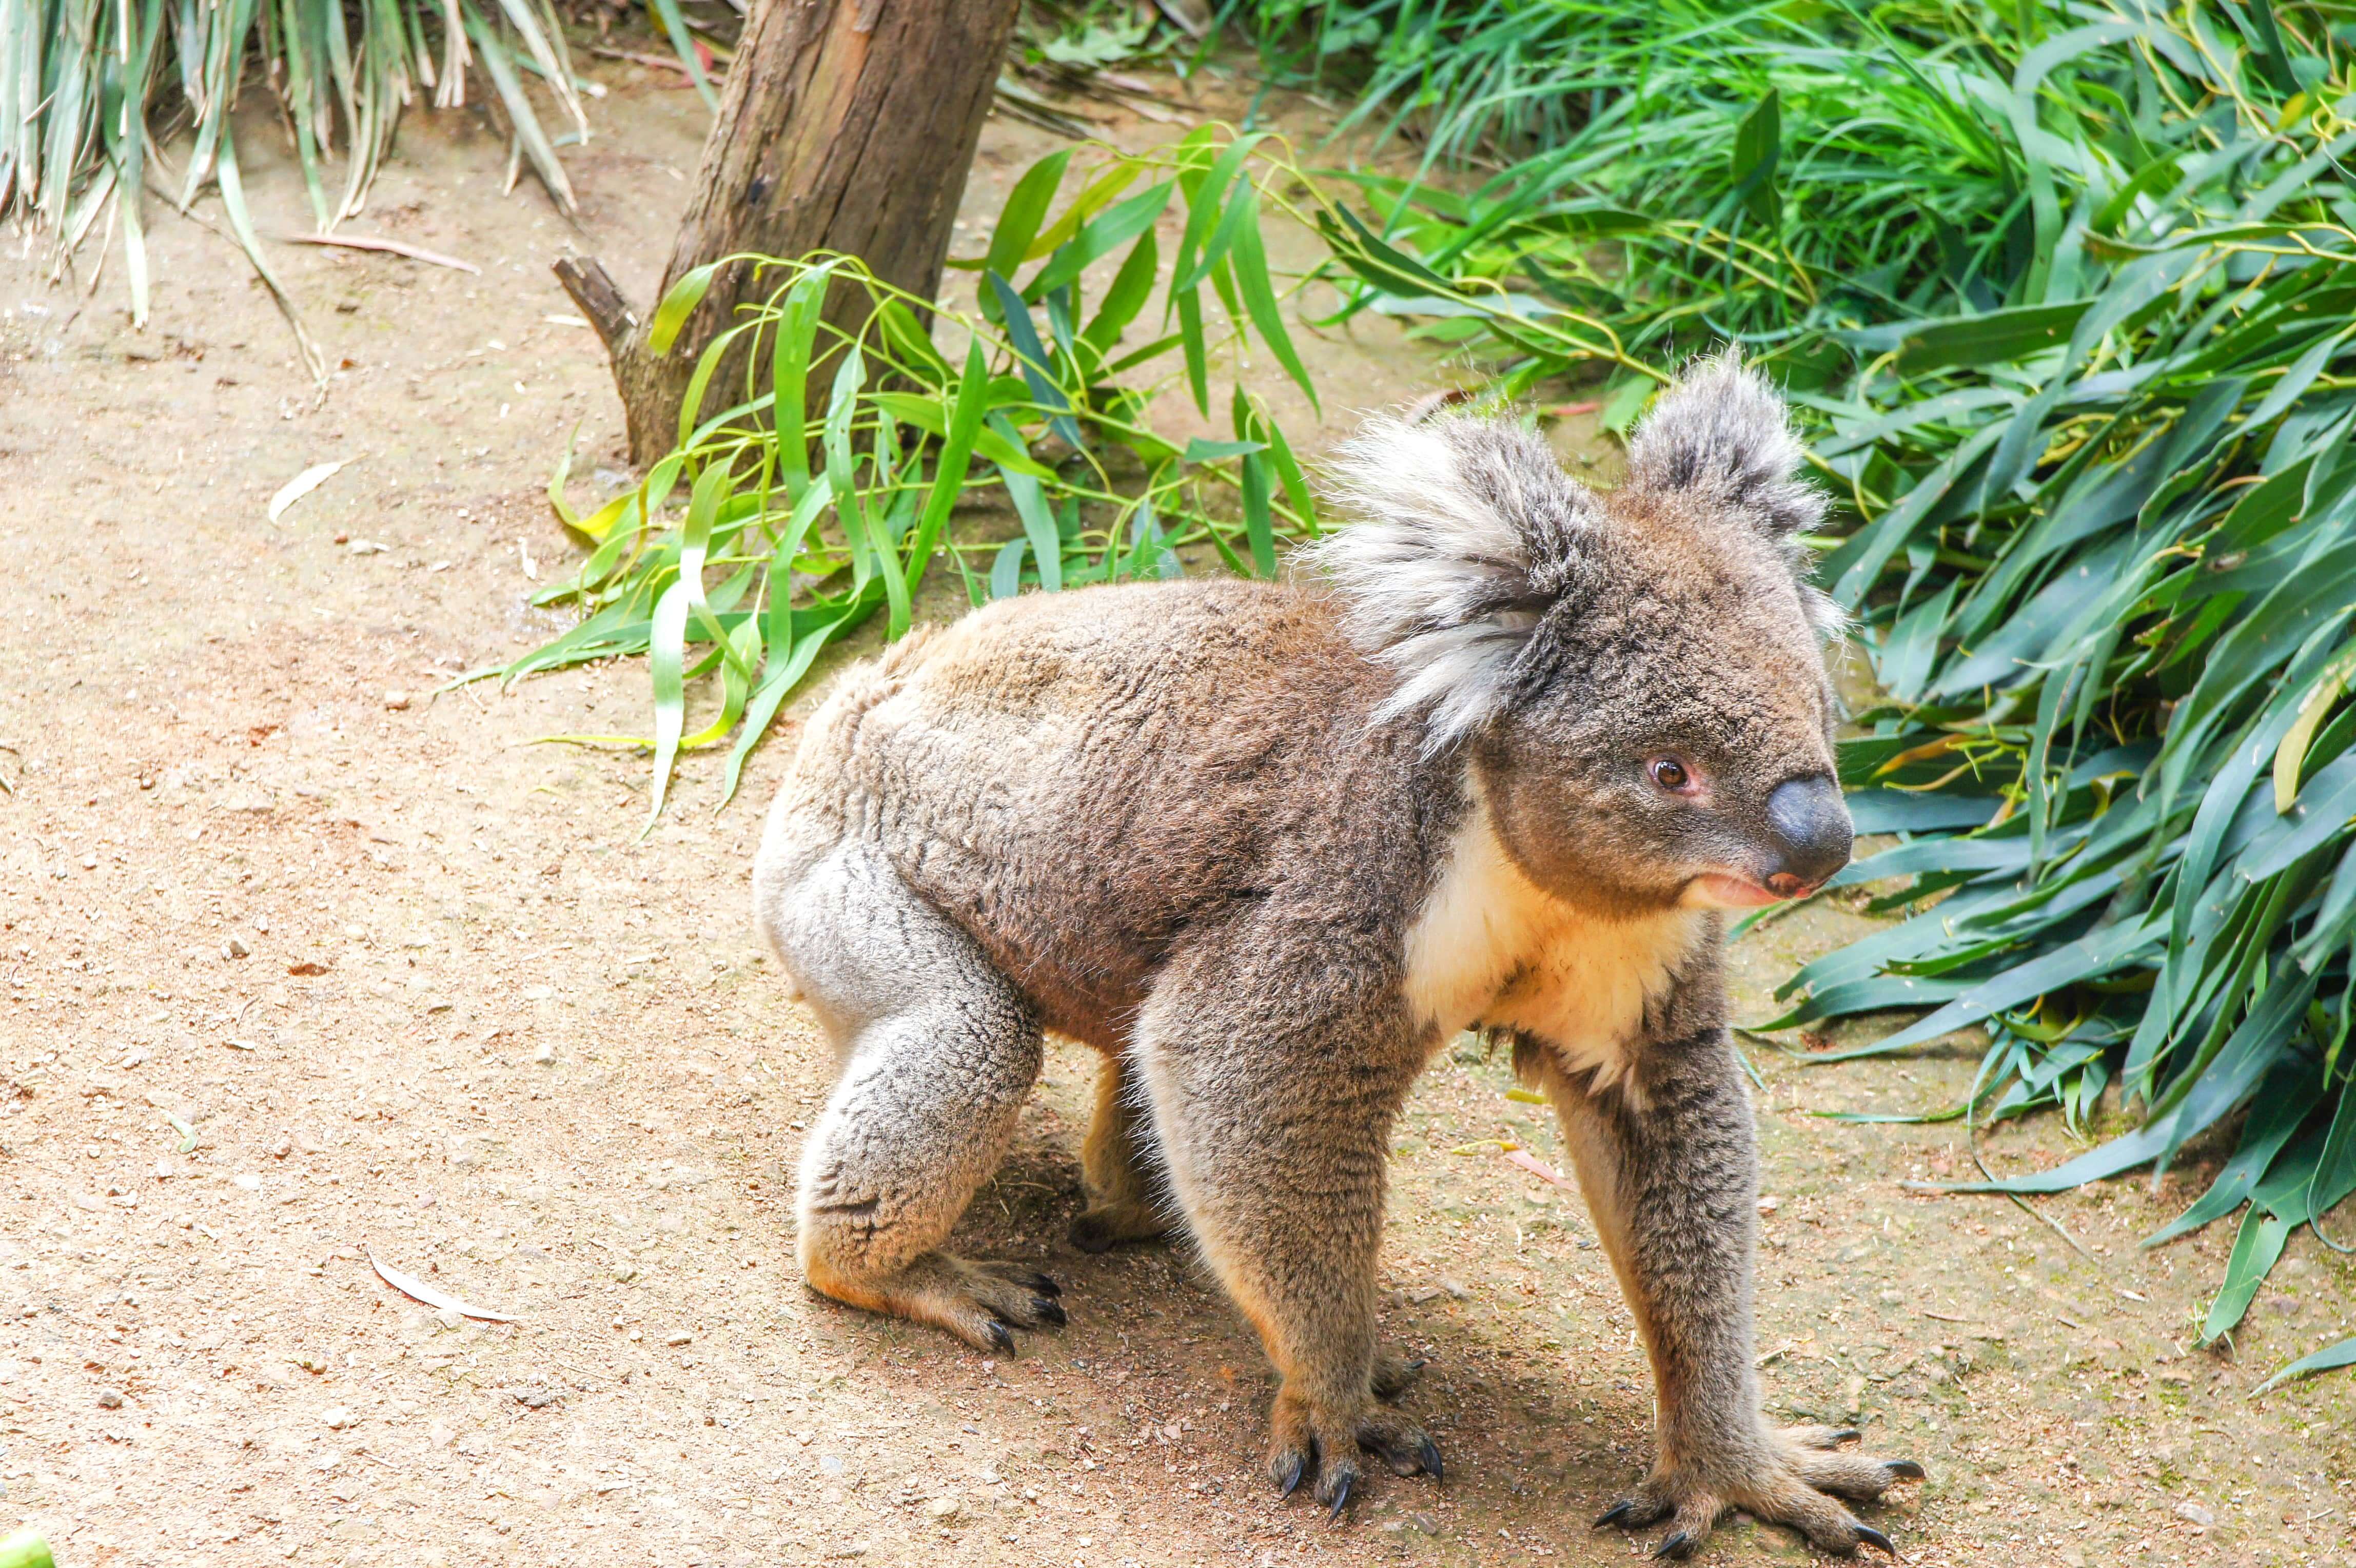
[[1538, 1167], [421, 1291], [302, 484]]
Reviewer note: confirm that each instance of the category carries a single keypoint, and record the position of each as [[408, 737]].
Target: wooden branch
[[592, 288]]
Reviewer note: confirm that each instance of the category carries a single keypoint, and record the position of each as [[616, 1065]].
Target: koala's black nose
[[1811, 828]]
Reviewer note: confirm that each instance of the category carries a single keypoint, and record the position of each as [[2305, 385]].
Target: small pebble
[[2195, 1513], [109, 1400], [250, 1181], [396, 699], [336, 1417], [450, 1318], [942, 1510], [537, 1399], [544, 1057], [235, 949], [678, 1339]]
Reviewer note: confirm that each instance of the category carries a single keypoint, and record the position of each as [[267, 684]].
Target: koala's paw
[[1318, 1447], [981, 1303], [1394, 1375], [1102, 1227], [1797, 1487]]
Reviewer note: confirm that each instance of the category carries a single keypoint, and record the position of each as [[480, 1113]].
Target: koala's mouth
[[1731, 890]]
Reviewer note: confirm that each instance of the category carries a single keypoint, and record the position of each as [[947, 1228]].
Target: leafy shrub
[[1039, 403]]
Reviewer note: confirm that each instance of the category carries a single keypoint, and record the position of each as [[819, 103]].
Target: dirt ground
[[303, 966]]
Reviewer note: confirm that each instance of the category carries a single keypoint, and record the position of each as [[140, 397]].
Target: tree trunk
[[845, 125]]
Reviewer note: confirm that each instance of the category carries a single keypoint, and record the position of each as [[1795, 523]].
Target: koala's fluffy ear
[[1722, 436], [1470, 532]]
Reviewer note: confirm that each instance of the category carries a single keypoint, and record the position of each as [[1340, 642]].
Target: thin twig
[[389, 247], [1971, 1143]]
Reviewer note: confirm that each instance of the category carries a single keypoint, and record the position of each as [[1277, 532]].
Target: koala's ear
[[1469, 533], [1722, 436]]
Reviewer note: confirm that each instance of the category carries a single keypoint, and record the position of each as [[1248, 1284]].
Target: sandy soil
[[299, 971]]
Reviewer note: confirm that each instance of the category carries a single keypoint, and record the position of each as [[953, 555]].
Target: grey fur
[[1267, 846], [1466, 532], [1723, 435]]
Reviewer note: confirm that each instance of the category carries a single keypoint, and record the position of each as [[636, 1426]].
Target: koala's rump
[[1084, 781]]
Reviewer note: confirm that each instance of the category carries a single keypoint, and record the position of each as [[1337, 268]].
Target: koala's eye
[[1671, 774]]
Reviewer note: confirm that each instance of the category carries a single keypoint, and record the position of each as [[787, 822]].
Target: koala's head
[[1635, 679]]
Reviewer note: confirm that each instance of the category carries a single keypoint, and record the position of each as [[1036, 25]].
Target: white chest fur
[[1492, 948]]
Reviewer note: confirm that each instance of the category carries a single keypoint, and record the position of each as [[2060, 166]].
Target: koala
[[1496, 761]]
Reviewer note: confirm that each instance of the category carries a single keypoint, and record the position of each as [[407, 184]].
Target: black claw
[[1616, 1512], [1427, 1453], [1869, 1536], [1043, 1285], [1001, 1336], [1340, 1496], [1676, 1546], [1846, 1435], [1290, 1482], [1048, 1310], [1906, 1469]]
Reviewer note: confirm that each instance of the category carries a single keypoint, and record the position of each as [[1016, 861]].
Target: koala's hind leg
[[1118, 1161], [938, 1054], [1670, 1171]]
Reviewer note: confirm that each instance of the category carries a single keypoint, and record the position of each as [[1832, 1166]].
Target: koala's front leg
[[1272, 1107], [1669, 1166]]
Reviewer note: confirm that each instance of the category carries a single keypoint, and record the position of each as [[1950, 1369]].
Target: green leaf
[[1192, 339], [1038, 524], [1990, 338], [666, 658], [827, 623], [679, 302], [1758, 149], [1100, 238], [1031, 355], [956, 459], [2281, 1105], [1912, 811], [1205, 205], [690, 403], [556, 479], [2097, 953], [1625, 404], [1200, 449], [1131, 286], [794, 333], [2296, 379], [1019, 219], [2256, 1249], [1006, 569], [1258, 525], [2343, 1354], [1259, 294]]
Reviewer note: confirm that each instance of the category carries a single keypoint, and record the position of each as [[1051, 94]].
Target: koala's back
[[1081, 780]]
